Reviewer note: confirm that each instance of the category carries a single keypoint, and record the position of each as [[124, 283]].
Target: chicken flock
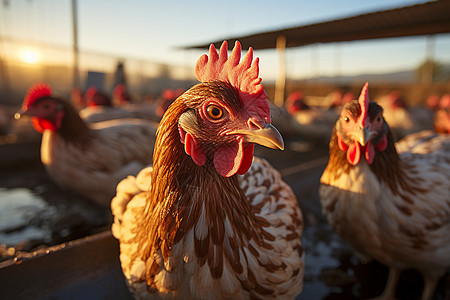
[[198, 216]]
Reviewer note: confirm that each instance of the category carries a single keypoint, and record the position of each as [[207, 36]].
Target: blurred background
[[66, 43], [150, 47]]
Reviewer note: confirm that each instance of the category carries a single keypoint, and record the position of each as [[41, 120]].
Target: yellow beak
[[267, 136]]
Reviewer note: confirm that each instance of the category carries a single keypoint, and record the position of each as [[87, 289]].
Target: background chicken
[[315, 122], [418, 142], [77, 98], [88, 159], [402, 118], [120, 96], [99, 108], [392, 207], [442, 115], [337, 99], [202, 231], [285, 122]]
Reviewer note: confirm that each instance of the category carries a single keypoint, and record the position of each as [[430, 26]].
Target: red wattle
[[354, 150], [228, 159], [248, 159], [369, 153], [381, 146], [354, 153], [41, 124], [191, 148], [343, 146]]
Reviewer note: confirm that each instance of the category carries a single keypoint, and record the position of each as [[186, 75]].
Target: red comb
[[445, 101], [169, 94], [243, 76], [37, 91], [90, 92], [364, 103], [297, 95]]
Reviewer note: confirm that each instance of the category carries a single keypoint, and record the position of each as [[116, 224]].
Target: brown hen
[[207, 221]]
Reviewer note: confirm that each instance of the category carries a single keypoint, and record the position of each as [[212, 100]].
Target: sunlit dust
[[29, 56]]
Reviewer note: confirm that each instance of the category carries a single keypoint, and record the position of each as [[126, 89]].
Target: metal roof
[[421, 19]]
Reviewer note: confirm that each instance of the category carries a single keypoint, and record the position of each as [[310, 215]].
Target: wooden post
[[427, 70], [280, 83], [4, 74], [337, 61], [76, 73]]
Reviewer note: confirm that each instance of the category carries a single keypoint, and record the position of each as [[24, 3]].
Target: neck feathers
[[182, 194], [73, 128]]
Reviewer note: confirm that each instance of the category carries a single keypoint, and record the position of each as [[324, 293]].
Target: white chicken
[[87, 159]]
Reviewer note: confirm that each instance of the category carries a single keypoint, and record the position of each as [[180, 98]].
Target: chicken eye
[[346, 119], [214, 112]]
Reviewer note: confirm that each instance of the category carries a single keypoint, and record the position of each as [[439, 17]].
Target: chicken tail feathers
[[125, 191]]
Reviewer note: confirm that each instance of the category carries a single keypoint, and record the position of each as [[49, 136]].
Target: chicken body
[[312, 123], [100, 108], [424, 142], [117, 149], [392, 207], [95, 114], [315, 123], [240, 265], [403, 119], [206, 221], [89, 159]]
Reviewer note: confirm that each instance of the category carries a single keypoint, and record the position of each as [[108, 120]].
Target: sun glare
[[29, 56]]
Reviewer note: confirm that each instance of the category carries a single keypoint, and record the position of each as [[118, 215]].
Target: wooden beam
[[420, 19], [76, 71], [281, 74], [427, 70]]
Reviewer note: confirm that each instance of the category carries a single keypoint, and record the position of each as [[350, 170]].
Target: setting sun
[[29, 55]]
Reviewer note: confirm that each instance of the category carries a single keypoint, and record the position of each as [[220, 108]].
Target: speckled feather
[[396, 210], [249, 267], [197, 229]]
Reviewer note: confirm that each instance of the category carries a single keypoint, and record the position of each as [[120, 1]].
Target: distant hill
[[399, 76]]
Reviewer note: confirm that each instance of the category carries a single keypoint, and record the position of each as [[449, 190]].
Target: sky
[[152, 31]]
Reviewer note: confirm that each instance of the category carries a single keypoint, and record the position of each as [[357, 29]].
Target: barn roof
[[421, 19]]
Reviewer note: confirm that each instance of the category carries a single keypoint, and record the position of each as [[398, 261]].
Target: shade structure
[[421, 19]]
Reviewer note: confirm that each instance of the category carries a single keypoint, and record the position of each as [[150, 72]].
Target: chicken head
[[361, 129], [227, 113], [47, 112]]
